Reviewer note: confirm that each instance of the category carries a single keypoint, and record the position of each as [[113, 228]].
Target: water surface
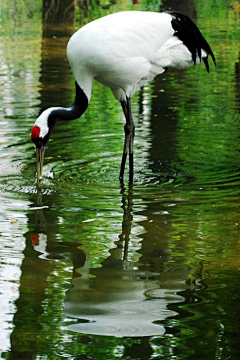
[[94, 269]]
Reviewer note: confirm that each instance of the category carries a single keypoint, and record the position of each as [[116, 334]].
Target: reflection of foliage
[[20, 55], [221, 8], [197, 106], [207, 140], [235, 9], [201, 225], [21, 9], [96, 9]]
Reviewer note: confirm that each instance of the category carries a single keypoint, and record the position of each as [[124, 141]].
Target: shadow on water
[[91, 269]]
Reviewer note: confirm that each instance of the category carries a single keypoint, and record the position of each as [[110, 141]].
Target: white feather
[[98, 51], [42, 122]]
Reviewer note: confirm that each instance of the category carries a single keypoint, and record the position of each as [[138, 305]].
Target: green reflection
[[170, 241]]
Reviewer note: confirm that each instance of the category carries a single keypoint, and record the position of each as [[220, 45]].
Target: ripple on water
[[105, 171], [77, 171]]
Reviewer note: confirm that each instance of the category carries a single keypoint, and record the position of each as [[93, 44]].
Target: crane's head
[[44, 124], [40, 135]]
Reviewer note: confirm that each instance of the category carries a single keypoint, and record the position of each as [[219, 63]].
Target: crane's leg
[[129, 139], [131, 142]]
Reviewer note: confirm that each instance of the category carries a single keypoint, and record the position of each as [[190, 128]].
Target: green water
[[90, 268]]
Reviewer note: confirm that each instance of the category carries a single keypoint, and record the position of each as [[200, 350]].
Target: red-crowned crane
[[123, 51]]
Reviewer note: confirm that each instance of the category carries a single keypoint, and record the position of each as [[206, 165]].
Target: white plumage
[[124, 51], [98, 51]]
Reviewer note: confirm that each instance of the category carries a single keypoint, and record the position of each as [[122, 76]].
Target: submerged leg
[[129, 139]]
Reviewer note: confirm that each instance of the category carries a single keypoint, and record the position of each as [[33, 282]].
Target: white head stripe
[[42, 121]]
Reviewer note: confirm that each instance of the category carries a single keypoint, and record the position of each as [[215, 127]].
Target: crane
[[123, 51]]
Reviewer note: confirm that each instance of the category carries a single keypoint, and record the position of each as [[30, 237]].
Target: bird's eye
[[35, 132]]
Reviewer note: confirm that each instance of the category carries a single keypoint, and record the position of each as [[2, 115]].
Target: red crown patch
[[35, 132]]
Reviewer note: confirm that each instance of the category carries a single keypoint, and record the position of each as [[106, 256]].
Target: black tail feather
[[190, 35], [205, 60]]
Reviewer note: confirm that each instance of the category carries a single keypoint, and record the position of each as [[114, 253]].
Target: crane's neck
[[45, 122], [78, 107]]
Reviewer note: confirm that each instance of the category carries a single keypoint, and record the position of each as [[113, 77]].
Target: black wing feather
[[190, 35]]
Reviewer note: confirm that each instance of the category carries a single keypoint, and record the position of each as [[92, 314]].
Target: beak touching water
[[40, 157]]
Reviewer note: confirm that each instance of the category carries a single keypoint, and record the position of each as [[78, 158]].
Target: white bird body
[[97, 51], [123, 51]]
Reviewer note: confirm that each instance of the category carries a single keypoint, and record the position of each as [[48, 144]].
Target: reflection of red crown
[[35, 239], [135, 2]]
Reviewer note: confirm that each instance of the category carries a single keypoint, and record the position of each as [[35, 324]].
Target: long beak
[[40, 157]]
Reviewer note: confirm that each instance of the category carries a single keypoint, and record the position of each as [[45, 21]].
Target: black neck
[[75, 111]]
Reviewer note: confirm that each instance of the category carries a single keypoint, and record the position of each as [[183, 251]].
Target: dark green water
[[89, 268]]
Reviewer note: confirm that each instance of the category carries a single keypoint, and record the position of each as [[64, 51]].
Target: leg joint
[[129, 128]]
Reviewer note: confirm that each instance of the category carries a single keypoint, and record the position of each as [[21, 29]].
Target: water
[[90, 268]]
